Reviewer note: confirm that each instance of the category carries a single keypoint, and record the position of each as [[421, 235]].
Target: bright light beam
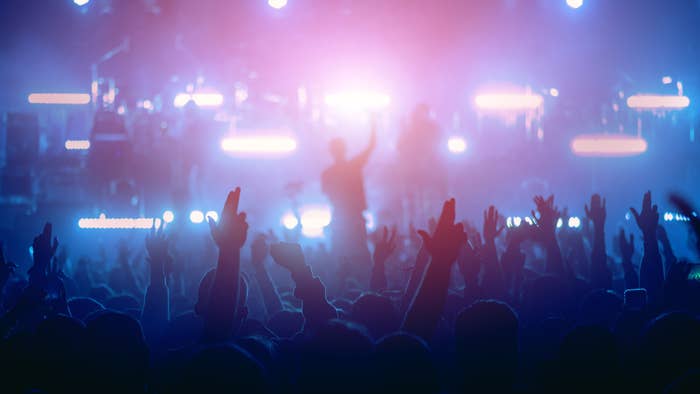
[[104, 222], [80, 3], [655, 102], [608, 145], [575, 4], [456, 145], [277, 4], [357, 101], [269, 144], [200, 99], [508, 101], [196, 216], [59, 98], [314, 219], [77, 144]]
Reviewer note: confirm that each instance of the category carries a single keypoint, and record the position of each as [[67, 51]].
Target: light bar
[[608, 145], [508, 101], [456, 145], [270, 144], [103, 222], [357, 100], [59, 98], [655, 102], [77, 144], [201, 99]]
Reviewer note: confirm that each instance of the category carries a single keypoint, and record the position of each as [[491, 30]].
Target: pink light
[[277, 4], [508, 101], [608, 145], [102, 222], [313, 220], [201, 99], [651, 102], [456, 145], [357, 100], [59, 98], [77, 144], [268, 144]]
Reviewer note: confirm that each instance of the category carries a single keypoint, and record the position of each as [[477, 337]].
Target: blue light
[[574, 3]]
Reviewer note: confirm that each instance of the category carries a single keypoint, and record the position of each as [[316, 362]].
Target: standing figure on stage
[[343, 183]]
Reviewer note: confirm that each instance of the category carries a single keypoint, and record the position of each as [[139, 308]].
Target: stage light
[[80, 3], [508, 101], [517, 220], [575, 4], [608, 145], [212, 214], [509, 222], [666, 80], [310, 232], [200, 99], [289, 221], [560, 223], [574, 222], [268, 144], [357, 101], [655, 102], [103, 222], [168, 216], [59, 98], [457, 145], [77, 144], [370, 223], [277, 4], [554, 92], [196, 216], [313, 219]]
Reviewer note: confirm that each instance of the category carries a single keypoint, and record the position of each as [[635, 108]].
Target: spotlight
[[574, 3], [168, 216], [457, 145], [213, 215], [196, 216], [277, 4], [80, 3], [289, 221], [574, 222]]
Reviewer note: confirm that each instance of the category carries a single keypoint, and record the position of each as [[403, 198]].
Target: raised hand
[[385, 246], [44, 247], [549, 214], [288, 255], [444, 245], [157, 245], [232, 230], [596, 212], [626, 247], [469, 261], [648, 219], [259, 250], [491, 230]]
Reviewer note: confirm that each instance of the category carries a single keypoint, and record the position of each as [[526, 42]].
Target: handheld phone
[[635, 299]]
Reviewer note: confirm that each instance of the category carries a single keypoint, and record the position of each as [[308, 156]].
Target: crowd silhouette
[[476, 311]]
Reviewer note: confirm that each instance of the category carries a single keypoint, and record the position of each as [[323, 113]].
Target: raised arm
[[651, 271], [259, 250], [229, 235], [309, 289], [443, 246], [546, 230], [601, 277], [492, 283], [627, 251], [362, 158], [156, 307], [383, 249], [669, 257]]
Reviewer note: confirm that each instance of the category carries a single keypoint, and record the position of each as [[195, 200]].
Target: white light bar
[[608, 145], [656, 102], [508, 101], [270, 144], [104, 222], [201, 99], [77, 144], [59, 98]]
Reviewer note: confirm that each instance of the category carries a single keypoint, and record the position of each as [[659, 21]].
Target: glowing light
[[313, 220], [560, 223], [77, 144], [575, 4], [289, 221], [145, 104], [608, 145], [80, 3], [370, 223], [652, 102], [508, 101], [554, 92], [104, 222], [168, 216], [200, 99], [574, 222], [59, 98], [212, 214], [517, 220], [456, 145], [196, 216], [277, 4], [666, 80], [269, 144], [357, 101]]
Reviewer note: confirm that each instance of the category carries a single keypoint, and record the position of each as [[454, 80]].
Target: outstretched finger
[[424, 236], [635, 214], [392, 238]]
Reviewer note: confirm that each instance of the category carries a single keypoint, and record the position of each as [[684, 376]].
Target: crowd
[[529, 309]]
